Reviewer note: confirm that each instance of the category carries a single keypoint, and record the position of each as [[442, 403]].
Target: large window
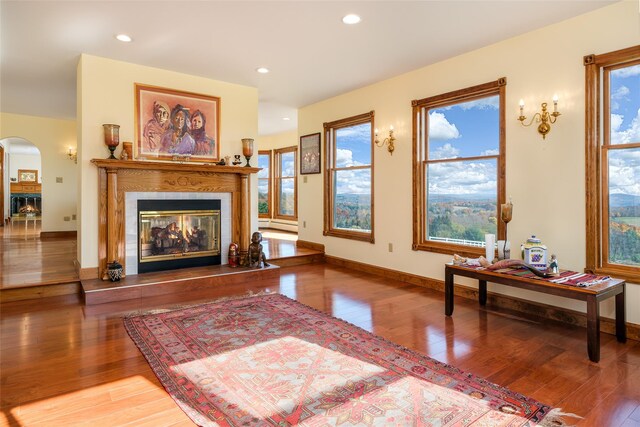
[[286, 183], [264, 184], [348, 199], [613, 163], [459, 169]]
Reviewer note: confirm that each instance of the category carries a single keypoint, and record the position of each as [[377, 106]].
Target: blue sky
[[464, 130], [353, 148], [624, 165]]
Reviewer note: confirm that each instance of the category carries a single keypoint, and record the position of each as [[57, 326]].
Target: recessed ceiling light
[[351, 19], [286, 119], [262, 70], [123, 38]]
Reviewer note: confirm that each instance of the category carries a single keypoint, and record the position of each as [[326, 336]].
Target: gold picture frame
[[27, 175], [172, 124]]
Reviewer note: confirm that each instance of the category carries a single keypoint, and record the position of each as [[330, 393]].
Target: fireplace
[[178, 233], [122, 183]]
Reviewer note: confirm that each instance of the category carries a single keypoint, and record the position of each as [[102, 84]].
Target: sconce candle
[[72, 155], [388, 141], [545, 118], [111, 137], [247, 149]]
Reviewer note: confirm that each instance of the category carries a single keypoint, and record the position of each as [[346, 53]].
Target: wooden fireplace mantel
[[117, 177]]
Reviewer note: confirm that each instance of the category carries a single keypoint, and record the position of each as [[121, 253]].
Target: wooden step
[[98, 291], [306, 258]]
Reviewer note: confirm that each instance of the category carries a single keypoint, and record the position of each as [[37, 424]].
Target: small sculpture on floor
[[233, 255], [256, 254]]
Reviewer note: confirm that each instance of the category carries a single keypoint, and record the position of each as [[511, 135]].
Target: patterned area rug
[[268, 360]]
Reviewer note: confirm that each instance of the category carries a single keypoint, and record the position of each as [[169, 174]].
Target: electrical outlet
[[58, 180], [73, 217], [304, 224], [67, 218], [390, 247]]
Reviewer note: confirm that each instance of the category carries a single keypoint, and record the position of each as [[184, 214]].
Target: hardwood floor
[[66, 364], [28, 261]]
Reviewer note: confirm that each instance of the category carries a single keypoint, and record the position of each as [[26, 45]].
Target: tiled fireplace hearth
[[122, 183]]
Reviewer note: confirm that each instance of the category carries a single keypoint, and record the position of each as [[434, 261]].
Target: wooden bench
[[592, 295]]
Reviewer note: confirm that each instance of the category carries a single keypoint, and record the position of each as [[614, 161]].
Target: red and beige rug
[[268, 360]]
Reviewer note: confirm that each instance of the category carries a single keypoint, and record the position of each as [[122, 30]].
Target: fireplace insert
[[178, 233]]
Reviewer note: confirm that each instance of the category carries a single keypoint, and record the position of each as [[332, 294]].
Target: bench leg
[[621, 326], [448, 293], [593, 328], [482, 292]]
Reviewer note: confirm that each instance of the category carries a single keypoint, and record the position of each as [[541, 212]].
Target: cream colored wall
[[545, 178], [25, 161], [53, 138], [106, 95], [272, 142]]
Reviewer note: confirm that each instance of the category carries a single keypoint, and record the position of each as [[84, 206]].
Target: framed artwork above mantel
[[27, 175], [171, 123]]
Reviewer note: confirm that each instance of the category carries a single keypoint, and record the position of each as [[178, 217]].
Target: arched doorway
[[21, 185]]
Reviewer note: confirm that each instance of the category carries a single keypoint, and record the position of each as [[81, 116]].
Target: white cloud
[[619, 94], [627, 72], [492, 102], [354, 182], [440, 128], [629, 135], [491, 152], [344, 158], [447, 151], [624, 171], [462, 178]]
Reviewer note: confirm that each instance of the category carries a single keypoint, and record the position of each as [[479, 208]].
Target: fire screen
[[171, 234]]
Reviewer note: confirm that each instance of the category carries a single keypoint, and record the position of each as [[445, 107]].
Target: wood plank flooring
[[27, 261], [66, 364]]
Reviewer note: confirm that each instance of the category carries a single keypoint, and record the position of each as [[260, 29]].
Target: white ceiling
[[312, 55]]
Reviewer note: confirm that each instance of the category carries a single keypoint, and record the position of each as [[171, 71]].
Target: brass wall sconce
[[545, 118], [389, 141], [73, 155]]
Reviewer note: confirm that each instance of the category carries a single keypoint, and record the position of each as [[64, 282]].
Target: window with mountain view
[[264, 184], [285, 183], [349, 178], [459, 169], [614, 161]]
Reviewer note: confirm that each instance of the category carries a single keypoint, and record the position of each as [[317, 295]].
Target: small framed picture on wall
[[310, 154]]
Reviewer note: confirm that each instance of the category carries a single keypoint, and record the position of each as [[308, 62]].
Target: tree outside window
[[264, 184], [286, 173], [459, 169], [349, 178], [613, 163]]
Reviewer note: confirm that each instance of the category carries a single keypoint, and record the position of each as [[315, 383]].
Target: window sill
[[344, 234], [619, 273], [286, 217], [450, 249]]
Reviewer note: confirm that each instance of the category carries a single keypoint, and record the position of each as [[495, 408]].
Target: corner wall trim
[[496, 301], [310, 245]]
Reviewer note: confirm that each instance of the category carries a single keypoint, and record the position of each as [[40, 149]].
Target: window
[[458, 170], [613, 163], [286, 183], [264, 184], [348, 189]]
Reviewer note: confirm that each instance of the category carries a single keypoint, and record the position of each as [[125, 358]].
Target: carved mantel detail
[[116, 177]]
